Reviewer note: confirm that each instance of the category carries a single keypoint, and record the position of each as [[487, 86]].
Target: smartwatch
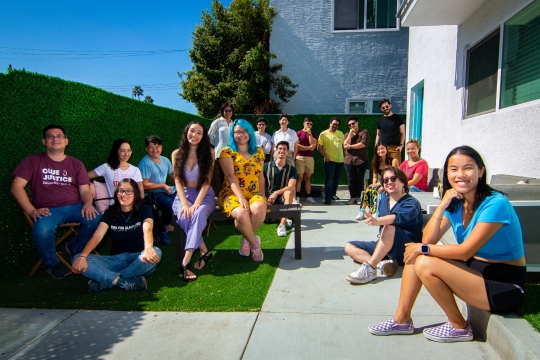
[[424, 249]]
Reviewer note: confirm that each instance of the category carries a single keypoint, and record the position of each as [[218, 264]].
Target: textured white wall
[[507, 139], [331, 67]]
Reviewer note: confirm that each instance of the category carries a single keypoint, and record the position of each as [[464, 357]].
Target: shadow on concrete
[[64, 335]]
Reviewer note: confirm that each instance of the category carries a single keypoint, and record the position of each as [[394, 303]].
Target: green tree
[[231, 60], [137, 91], [148, 99]]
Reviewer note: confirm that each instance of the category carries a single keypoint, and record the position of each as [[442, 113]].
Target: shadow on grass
[[229, 282]]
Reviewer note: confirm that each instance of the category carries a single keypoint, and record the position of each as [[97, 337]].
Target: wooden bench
[[291, 211]]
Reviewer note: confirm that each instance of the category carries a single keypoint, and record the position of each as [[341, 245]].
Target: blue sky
[[94, 30]]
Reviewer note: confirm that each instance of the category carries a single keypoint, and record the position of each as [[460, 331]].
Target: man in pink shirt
[[60, 194], [305, 163]]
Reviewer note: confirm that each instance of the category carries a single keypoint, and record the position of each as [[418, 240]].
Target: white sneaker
[[310, 200], [281, 231], [360, 215], [387, 268], [364, 274], [288, 223], [295, 202], [297, 199]]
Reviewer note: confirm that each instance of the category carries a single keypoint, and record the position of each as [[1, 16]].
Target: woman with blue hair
[[242, 163]]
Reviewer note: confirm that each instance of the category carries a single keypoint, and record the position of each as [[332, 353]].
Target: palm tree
[[148, 99], [137, 91]]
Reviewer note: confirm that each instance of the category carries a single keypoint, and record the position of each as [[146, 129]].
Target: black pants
[[355, 176]]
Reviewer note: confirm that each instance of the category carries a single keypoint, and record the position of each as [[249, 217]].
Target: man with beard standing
[[390, 130]]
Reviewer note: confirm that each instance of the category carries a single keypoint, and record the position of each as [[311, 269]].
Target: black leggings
[[505, 284]]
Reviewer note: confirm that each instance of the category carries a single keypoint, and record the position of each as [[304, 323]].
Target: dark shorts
[[505, 285], [397, 250]]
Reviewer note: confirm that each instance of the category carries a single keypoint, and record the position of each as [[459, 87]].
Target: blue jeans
[[104, 269], [333, 173], [164, 204], [44, 231]]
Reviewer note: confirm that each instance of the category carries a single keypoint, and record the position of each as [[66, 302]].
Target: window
[[520, 80], [482, 67], [363, 106], [365, 14]]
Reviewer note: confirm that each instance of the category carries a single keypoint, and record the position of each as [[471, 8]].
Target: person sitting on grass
[[242, 163], [486, 268], [193, 164], [380, 161], [400, 221], [280, 181], [133, 254]]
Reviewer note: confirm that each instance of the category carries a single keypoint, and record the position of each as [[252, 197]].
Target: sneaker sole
[[390, 269], [58, 277], [359, 282], [448, 339], [391, 332]]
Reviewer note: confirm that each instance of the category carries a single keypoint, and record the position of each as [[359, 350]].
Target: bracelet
[[83, 256], [436, 218]]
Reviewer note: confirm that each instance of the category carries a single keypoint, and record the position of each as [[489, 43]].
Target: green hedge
[[93, 118], [321, 123]]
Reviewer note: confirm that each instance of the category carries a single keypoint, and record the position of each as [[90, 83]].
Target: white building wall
[[507, 139], [331, 67]]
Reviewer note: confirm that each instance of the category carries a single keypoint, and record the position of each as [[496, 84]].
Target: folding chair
[[71, 229]]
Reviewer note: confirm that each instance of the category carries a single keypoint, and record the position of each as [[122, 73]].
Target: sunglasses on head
[[389, 179]]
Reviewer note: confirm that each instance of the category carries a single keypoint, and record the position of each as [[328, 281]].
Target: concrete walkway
[[311, 312]]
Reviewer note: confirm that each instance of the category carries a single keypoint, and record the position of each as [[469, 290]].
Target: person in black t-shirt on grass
[[133, 253], [390, 130]]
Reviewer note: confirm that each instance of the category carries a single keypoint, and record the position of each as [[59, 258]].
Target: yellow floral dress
[[247, 174]]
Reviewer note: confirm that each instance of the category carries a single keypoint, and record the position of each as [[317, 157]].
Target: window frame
[[370, 103], [465, 54], [397, 28]]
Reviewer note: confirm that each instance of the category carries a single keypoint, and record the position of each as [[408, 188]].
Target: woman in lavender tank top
[[193, 164]]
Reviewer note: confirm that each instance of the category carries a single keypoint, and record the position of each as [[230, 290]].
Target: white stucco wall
[[507, 139], [331, 67]]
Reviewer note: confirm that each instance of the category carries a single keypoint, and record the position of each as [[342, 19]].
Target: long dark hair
[[113, 160], [116, 209], [483, 190], [377, 159], [204, 156]]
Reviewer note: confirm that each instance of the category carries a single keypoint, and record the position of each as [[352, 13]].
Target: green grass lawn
[[531, 307], [229, 282]]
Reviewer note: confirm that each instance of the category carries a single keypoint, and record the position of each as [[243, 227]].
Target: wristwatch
[[425, 249]]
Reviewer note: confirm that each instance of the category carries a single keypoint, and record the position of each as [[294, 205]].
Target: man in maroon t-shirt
[[305, 163], [60, 194]]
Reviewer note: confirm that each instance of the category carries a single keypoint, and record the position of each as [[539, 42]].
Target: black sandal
[[185, 274], [204, 257]]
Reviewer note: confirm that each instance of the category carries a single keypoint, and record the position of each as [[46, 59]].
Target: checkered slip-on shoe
[[390, 327], [447, 333]]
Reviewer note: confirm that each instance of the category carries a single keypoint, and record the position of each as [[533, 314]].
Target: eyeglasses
[[52, 137], [389, 179], [128, 192], [227, 110], [310, 124], [123, 151], [385, 107], [351, 124], [240, 132]]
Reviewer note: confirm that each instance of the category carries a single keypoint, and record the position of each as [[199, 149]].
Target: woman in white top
[[117, 168]]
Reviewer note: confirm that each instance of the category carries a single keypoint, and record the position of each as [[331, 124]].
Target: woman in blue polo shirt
[[489, 235]]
